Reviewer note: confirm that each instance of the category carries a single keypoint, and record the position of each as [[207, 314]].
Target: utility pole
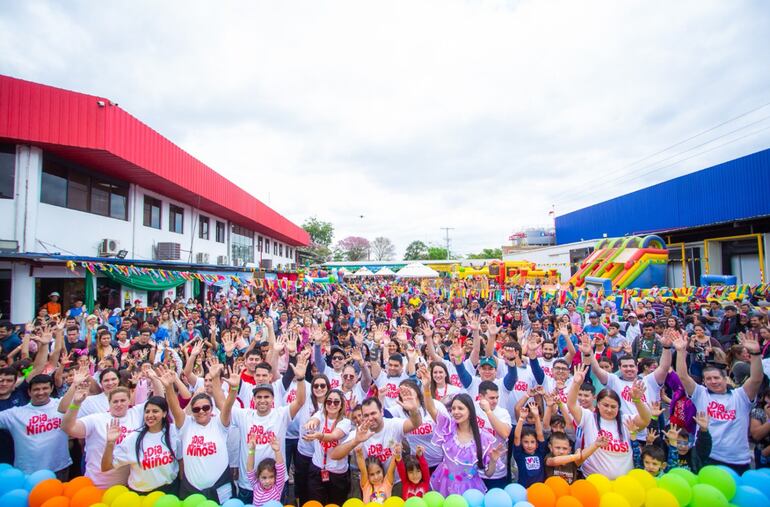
[[446, 233]]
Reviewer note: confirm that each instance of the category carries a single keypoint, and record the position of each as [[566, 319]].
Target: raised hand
[[655, 409], [652, 435], [638, 390], [532, 406], [585, 346], [113, 431], [580, 374], [234, 376], [408, 400], [427, 331], [484, 405], [680, 343], [419, 451], [672, 435], [496, 452], [301, 367], [363, 433], [168, 379], [702, 420], [604, 439], [632, 429], [750, 342]]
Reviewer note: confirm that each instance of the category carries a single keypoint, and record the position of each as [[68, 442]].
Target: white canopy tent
[[417, 270], [363, 272], [386, 271]]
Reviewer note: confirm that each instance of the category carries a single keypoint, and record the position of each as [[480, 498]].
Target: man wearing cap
[[389, 380], [594, 326], [631, 327], [265, 422]]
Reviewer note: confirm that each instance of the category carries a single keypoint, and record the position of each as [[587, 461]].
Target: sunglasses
[[202, 408], [348, 376], [333, 402], [338, 358], [320, 386]]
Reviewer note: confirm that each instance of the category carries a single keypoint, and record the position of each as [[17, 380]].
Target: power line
[[678, 143], [634, 177]]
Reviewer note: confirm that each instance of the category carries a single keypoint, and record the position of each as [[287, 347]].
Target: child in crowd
[[652, 458], [413, 471], [561, 462], [694, 458], [376, 482], [529, 449], [268, 479]]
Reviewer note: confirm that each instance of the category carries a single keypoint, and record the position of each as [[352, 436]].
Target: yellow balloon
[[394, 501], [603, 484], [644, 478], [613, 500], [658, 497], [111, 494], [149, 500], [630, 489], [353, 502]]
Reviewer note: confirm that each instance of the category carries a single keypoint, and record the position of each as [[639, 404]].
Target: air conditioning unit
[[221, 260], [238, 262], [108, 248], [202, 258], [168, 252], [266, 264]]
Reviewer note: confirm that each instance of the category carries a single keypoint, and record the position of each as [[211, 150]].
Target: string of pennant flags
[[444, 289]]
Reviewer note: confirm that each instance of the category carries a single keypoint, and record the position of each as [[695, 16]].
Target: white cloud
[[476, 115]]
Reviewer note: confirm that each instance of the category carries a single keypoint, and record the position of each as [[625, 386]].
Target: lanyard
[[326, 431]]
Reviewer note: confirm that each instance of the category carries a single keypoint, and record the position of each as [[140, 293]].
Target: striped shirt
[[262, 496]]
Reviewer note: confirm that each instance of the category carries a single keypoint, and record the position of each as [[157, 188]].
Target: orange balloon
[[568, 501], [541, 495], [44, 490], [76, 484], [559, 486], [57, 501], [585, 492], [86, 497], [332, 505], [313, 503]]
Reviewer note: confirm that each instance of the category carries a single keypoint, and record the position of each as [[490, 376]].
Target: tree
[[437, 253], [417, 250], [354, 248], [321, 236], [383, 249], [488, 253]]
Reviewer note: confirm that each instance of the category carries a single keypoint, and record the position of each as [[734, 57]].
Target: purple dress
[[459, 471]]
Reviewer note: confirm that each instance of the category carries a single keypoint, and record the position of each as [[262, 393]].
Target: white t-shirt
[[337, 466], [550, 386], [250, 422], [95, 404], [303, 416], [486, 425], [335, 379], [729, 423], [96, 439], [156, 466], [547, 366], [204, 450], [615, 458], [354, 397], [423, 434], [389, 386], [288, 397], [525, 380], [246, 394], [454, 378], [381, 444], [38, 440], [623, 388]]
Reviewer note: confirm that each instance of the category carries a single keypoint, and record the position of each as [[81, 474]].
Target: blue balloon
[[11, 479], [517, 492], [765, 471], [732, 473], [233, 502], [523, 504], [36, 477], [273, 503], [496, 497], [474, 497], [5, 466], [757, 480], [746, 496], [15, 498]]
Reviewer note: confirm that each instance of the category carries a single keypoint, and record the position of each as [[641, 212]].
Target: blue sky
[[476, 115]]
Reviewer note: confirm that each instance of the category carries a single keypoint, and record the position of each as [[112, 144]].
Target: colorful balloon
[[704, 495], [150, 499], [193, 500], [585, 492], [496, 497], [568, 501], [558, 485], [433, 499], [44, 490], [746, 496], [630, 489], [475, 498], [644, 478], [76, 484], [517, 492], [719, 478], [541, 495], [87, 496], [613, 499], [677, 486], [415, 501], [111, 494], [168, 501], [15, 498], [690, 477], [10, 479], [57, 501], [756, 480], [354, 502], [603, 484], [658, 497], [36, 478]]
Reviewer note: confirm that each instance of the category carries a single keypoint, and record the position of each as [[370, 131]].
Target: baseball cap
[[263, 387], [488, 361], [54, 294], [593, 315]]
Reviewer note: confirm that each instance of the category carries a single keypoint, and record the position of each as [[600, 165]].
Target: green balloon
[[416, 501], [433, 499], [688, 476], [167, 501], [719, 478], [704, 495], [332, 279], [193, 500], [455, 501], [677, 486], [208, 503]]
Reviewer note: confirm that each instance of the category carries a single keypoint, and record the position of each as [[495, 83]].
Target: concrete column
[[29, 167], [22, 293], [715, 257]]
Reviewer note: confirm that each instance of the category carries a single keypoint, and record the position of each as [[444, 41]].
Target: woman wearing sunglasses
[[304, 455], [204, 436], [329, 479]]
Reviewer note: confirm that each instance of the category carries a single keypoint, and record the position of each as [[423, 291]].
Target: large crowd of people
[[379, 388]]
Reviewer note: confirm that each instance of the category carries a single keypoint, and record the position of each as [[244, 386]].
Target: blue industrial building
[[715, 221]]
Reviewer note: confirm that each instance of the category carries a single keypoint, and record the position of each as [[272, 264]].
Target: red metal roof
[[109, 139]]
